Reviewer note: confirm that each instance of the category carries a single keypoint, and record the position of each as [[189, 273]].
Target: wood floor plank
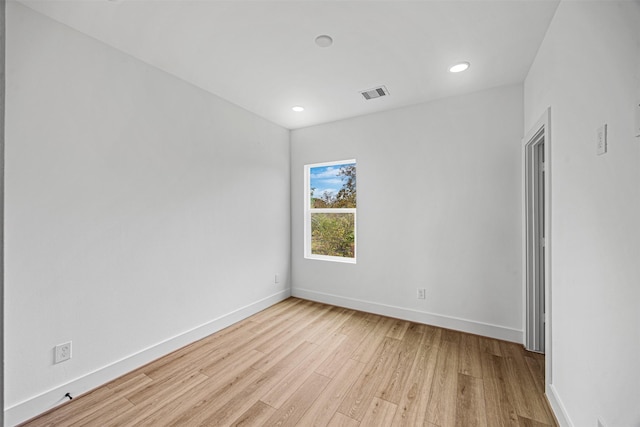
[[341, 420], [307, 332], [527, 402], [325, 406], [194, 356], [116, 400], [336, 360], [257, 415], [224, 371], [363, 391], [489, 345], [95, 418], [515, 376], [90, 404], [441, 409], [281, 319], [295, 332], [379, 413], [412, 407], [322, 365], [470, 410], [335, 320], [366, 348], [198, 360], [153, 388], [269, 359], [359, 324], [197, 356], [356, 328], [535, 363], [398, 329], [537, 372], [470, 362], [245, 398], [281, 309], [397, 374], [499, 409], [162, 400], [296, 377], [294, 408], [197, 402], [526, 422], [237, 360]]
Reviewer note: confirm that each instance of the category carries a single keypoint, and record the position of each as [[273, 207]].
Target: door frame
[[540, 131]]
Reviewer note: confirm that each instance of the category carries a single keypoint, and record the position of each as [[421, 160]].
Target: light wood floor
[[309, 364]]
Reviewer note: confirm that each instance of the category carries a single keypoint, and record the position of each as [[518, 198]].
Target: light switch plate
[[602, 139]]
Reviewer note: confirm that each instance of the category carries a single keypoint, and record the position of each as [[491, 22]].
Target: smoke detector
[[376, 92]]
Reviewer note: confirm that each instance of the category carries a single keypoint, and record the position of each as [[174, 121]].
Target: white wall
[[439, 207], [138, 209], [588, 72]]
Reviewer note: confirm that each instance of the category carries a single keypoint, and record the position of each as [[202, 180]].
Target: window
[[330, 211]]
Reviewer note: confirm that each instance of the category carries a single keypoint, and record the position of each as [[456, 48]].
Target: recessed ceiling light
[[297, 109], [324, 41], [459, 67]]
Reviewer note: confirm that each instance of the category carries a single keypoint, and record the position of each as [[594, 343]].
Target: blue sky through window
[[326, 179]]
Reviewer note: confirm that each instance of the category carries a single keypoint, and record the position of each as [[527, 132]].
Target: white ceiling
[[261, 55]]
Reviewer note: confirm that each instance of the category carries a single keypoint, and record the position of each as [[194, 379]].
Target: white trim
[[449, 322], [333, 163], [331, 258], [548, 291], [333, 210], [38, 404], [558, 407]]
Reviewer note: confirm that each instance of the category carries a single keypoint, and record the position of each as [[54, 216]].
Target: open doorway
[[536, 208]]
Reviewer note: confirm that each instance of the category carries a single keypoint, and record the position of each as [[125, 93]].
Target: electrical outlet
[[422, 293], [276, 279], [62, 352]]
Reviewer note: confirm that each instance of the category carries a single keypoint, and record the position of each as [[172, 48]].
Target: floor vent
[[375, 92]]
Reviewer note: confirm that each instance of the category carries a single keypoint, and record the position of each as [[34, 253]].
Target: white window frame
[[308, 211]]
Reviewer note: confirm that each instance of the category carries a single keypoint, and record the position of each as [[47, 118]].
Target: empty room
[[332, 213]]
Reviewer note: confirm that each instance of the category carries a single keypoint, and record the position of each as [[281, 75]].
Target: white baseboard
[[464, 325], [50, 399], [558, 407]]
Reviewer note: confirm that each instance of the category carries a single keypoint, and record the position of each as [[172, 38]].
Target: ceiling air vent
[[375, 92]]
